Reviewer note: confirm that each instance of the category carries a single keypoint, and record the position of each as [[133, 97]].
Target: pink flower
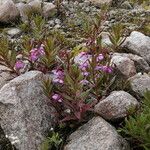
[[58, 76], [82, 54], [85, 73], [57, 98], [98, 67], [36, 53], [83, 62], [100, 57], [82, 58], [84, 66], [106, 69], [57, 80], [58, 72], [19, 65]]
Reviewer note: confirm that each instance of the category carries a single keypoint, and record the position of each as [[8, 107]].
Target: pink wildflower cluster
[[84, 59], [36, 53], [106, 69], [19, 65], [58, 76]]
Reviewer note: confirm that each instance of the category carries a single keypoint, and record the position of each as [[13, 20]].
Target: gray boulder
[[140, 83], [13, 32], [97, 134], [25, 114], [139, 62], [138, 43], [36, 6], [124, 65], [25, 11], [8, 11], [116, 105], [4, 76], [49, 9]]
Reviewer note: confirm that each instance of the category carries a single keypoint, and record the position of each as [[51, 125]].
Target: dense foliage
[[137, 127]]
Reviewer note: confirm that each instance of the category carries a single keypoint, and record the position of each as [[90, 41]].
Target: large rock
[[8, 11], [140, 63], [25, 114], [139, 44], [140, 83], [13, 32], [116, 105], [97, 134], [124, 65], [49, 9], [4, 76], [25, 11], [36, 6]]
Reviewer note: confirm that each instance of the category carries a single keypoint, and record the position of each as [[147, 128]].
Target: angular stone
[[140, 63], [36, 6], [4, 76], [140, 83], [13, 32], [138, 43], [8, 11], [97, 134], [25, 11], [124, 65], [116, 105], [25, 113], [105, 39], [49, 9]]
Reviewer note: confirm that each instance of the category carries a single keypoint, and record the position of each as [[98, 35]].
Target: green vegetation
[[137, 127], [52, 142]]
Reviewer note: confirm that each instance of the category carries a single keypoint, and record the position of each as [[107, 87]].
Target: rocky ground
[[25, 115]]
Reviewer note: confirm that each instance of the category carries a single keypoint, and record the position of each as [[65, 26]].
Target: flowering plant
[[96, 71], [67, 94], [78, 80], [78, 83], [38, 55]]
